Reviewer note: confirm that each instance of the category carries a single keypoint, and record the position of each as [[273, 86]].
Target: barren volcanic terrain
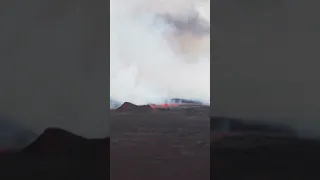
[[160, 144]]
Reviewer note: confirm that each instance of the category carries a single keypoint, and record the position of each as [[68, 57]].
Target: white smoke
[[151, 60]]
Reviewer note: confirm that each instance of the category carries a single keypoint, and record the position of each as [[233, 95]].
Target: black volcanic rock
[[129, 107]]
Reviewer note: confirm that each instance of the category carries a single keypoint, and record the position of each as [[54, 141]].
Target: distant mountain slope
[[13, 136]]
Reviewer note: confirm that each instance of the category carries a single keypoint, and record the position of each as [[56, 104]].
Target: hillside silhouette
[[58, 153]]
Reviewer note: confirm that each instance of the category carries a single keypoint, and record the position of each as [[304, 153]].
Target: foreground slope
[[169, 144]]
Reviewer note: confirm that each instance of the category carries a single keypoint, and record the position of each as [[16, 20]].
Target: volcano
[[125, 107]]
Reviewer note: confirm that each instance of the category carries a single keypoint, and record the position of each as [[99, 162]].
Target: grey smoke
[[193, 24]]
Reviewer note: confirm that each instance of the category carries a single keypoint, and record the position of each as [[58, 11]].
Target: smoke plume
[[159, 50]]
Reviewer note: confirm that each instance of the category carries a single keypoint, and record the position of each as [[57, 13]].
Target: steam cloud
[[159, 50]]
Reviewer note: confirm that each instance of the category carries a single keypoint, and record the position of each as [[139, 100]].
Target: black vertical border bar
[[213, 56], [107, 83], [107, 24]]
